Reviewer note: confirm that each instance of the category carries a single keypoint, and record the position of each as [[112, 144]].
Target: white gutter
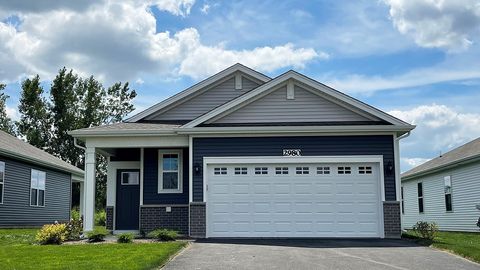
[[77, 145]]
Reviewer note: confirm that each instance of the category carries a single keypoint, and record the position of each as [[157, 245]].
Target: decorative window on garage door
[[220, 171], [344, 170], [365, 170], [261, 170], [241, 170], [323, 170], [281, 170], [302, 170]]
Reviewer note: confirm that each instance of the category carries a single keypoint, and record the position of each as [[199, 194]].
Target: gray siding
[[310, 146], [205, 101], [465, 195], [306, 107], [16, 209]]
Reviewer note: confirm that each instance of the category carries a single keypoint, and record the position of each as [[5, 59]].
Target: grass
[[18, 252], [464, 244]]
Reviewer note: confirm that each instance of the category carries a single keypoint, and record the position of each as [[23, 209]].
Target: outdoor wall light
[[389, 168], [196, 169]]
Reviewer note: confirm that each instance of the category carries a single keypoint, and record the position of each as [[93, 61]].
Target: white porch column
[[89, 189], [82, 200]]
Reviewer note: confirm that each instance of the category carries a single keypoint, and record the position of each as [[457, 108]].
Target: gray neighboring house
[[241, 154], [35, 187], [445, 190]]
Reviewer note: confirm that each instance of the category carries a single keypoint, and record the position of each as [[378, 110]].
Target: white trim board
[[226, 72], [236, 103]]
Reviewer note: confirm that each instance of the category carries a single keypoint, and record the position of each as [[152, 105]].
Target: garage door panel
[[293, 205]]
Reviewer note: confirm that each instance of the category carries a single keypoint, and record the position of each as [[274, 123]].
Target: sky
[[418, 60]]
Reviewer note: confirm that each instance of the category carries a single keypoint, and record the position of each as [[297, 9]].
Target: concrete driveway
[[315, 254]]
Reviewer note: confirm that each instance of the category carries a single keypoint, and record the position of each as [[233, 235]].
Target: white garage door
[[293, 200]]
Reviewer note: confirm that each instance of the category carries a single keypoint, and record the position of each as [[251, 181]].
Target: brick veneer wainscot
[[391, 216], [154, 217]]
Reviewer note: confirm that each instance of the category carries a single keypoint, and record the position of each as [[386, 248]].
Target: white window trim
[[423, 199], [3, 182], [44, 190], [160, 171], [121, 178]]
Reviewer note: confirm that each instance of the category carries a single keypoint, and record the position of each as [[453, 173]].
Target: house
[[241, 154], [444, 190], [35, 187]]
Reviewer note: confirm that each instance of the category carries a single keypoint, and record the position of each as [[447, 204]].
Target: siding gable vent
[[238, 81], [290, 90]]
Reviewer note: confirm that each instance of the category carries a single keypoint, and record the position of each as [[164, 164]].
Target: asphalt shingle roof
[[134, 127], [18, 149], [464, 152]]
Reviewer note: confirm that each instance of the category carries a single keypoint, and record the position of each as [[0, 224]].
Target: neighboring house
[[35, 187], [445, 190], [244, 155]]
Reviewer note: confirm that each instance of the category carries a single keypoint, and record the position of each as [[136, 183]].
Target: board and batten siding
[[206, 101], [16, 210], [305, 107], [465, 195], [309, 146]]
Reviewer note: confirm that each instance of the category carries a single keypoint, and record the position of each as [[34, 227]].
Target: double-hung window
[[420, 197], [37, 188], [2, 180], [448, 193], [170, 171]]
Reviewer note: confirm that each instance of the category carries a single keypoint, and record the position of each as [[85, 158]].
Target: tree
[[119, 102], [6, 123], [34, 122]]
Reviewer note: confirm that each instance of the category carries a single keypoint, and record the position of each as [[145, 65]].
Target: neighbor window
[[448, 193], [420, 197], [2, 180], [130, 178], [37, 188], [170, 171], [403, 202]]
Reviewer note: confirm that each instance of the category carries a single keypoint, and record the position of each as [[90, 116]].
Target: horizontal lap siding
[[310, 146], [150, 180], [16, 209], [465, 195]]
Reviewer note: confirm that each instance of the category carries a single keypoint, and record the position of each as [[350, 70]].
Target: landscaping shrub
[[74, 228], [75, 214], [100, 217], [425, 230], [163, 234], [52, 234], [97, 235], [125, 238]]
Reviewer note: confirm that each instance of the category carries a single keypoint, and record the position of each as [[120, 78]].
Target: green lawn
[[18, 252], [464, 244]]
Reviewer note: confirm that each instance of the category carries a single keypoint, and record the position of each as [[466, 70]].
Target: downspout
[[403, 136], [397, 154], [81, 147], [82, 200]]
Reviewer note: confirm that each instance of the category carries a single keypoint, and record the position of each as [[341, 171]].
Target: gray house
[[241, 154], [35, 187], [445, 190]]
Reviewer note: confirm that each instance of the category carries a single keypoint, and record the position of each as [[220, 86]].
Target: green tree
[[119, 103], [34, 122], [6, 124]]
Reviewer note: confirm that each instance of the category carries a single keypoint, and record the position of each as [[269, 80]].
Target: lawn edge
[[175, 255], [451, 252]]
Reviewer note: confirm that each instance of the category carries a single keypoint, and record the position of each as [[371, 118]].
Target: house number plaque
[[292, 152]]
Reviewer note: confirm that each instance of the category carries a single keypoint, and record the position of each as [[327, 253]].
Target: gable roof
[[355, 104], [131, 129], [13, 147], [199, 86], [465, 153]]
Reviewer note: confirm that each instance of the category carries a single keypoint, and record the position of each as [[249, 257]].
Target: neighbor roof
[[13, 147], [125, 128], [464, 153]]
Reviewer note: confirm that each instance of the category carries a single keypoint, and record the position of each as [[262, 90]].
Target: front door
[[128, 200]]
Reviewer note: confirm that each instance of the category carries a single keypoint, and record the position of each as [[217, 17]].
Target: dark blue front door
[[128, 200]]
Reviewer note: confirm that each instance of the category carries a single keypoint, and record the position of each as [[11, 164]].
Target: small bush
[[425, 230], [163, 235], [100, 217], [75, 214], [52, 234], [97, 235], [74, 228], [125, 238]]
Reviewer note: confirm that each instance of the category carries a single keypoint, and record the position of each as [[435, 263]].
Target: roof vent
[[238, 81], [290, 90]]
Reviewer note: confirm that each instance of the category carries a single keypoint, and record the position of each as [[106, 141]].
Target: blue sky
[[415, 59]]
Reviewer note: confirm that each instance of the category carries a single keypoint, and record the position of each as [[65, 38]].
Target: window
[[403, 203], [365, 170], [281, 170], [261, 170], [302, 170], [448, 193], [420, 197], [2, 180], [130, 178], [170, 171], [344, 170], [242, 170], [219, 171], [37, 188], [323, 170]]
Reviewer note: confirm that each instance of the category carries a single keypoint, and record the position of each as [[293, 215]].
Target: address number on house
[[292, 152]]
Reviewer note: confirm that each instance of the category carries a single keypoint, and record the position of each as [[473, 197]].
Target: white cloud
[[444, 24], [439, 129], [205, 8], [176, 7], [12, 113], [118, 41]]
